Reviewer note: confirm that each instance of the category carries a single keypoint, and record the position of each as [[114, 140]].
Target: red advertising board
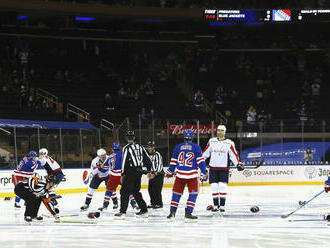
[[203, 129]]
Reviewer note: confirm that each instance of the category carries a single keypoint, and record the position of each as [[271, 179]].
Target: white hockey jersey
[[50, 165], [96, 167], [220, 152]]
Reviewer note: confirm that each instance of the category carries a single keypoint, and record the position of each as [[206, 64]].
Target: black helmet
[[130, 134], [150, 144], [52, 179]]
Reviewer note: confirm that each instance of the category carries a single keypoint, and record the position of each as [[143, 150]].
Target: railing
[[76, 148], [220, 118], [107, 125], [80, 113], [48, 96]]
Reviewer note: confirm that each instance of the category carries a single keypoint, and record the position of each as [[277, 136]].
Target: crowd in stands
[[240, 74]]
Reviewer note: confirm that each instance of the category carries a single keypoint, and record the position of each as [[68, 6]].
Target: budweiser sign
[[203, 129]]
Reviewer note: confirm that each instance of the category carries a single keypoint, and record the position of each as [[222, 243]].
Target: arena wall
[[264, 175]]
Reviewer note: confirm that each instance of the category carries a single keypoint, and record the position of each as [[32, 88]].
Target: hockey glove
[[203, 177], [327, 186], [168, 173], [240, 166]]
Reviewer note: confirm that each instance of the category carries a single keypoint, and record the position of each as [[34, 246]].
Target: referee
[[134, 158], [156, 179]]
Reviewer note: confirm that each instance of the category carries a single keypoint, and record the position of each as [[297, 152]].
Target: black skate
[[115, 206], [84, 207], [39, 218], [28, 218], [120, 215], [142, 213], [215, 210], [17, 205], [189, 216], [105, 207], [171, 215]]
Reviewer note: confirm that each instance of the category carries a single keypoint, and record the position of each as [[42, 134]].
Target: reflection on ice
[[238, 227]]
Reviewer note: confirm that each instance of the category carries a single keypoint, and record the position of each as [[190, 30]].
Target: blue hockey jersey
[[186, 159], [115, 163], [26, 167]]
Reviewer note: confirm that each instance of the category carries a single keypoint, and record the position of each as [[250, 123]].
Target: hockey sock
[[215, 194], [107, 196], [222, 201], [223, 193], [191, 201], [175, 201], [133, 201], [114, 198], [17, 199], [89, 196]]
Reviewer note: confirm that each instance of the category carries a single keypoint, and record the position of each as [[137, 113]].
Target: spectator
[[316, 87], [220, 99], [302, 113], [145, 118], [251, 115], [308, 155], [199, 100], [108, 102]]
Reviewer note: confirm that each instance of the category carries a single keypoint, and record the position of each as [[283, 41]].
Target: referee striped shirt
[[157, 161], [36, 185], [135, 155]]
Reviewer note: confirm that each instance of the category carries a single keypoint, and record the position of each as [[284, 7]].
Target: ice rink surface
[[238, 227]]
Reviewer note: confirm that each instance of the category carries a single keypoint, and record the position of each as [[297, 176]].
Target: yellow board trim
[[84, 190]]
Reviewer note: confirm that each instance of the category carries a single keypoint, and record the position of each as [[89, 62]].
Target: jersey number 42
[[186, 161]]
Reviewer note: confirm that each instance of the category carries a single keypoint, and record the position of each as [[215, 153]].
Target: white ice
[[238, 227]]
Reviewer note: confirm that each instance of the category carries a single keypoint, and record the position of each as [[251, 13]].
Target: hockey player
[[34, 191], [115, 163], [220, 150], [52, 168], [24, 171], [100, 172], [186, 159]]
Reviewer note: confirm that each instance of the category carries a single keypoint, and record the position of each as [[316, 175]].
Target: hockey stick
[[65, 215], [249, 166], [307, 220], [75, 221], [301, 206]]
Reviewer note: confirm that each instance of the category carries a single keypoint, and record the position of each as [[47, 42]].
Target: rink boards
[[264, 175]]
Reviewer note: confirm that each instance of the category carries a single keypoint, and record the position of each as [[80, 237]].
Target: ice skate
[[189, 216], [84, 207]]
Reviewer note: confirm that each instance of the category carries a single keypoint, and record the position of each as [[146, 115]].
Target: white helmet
[[43, 151], [101, 152], [222, 127]]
